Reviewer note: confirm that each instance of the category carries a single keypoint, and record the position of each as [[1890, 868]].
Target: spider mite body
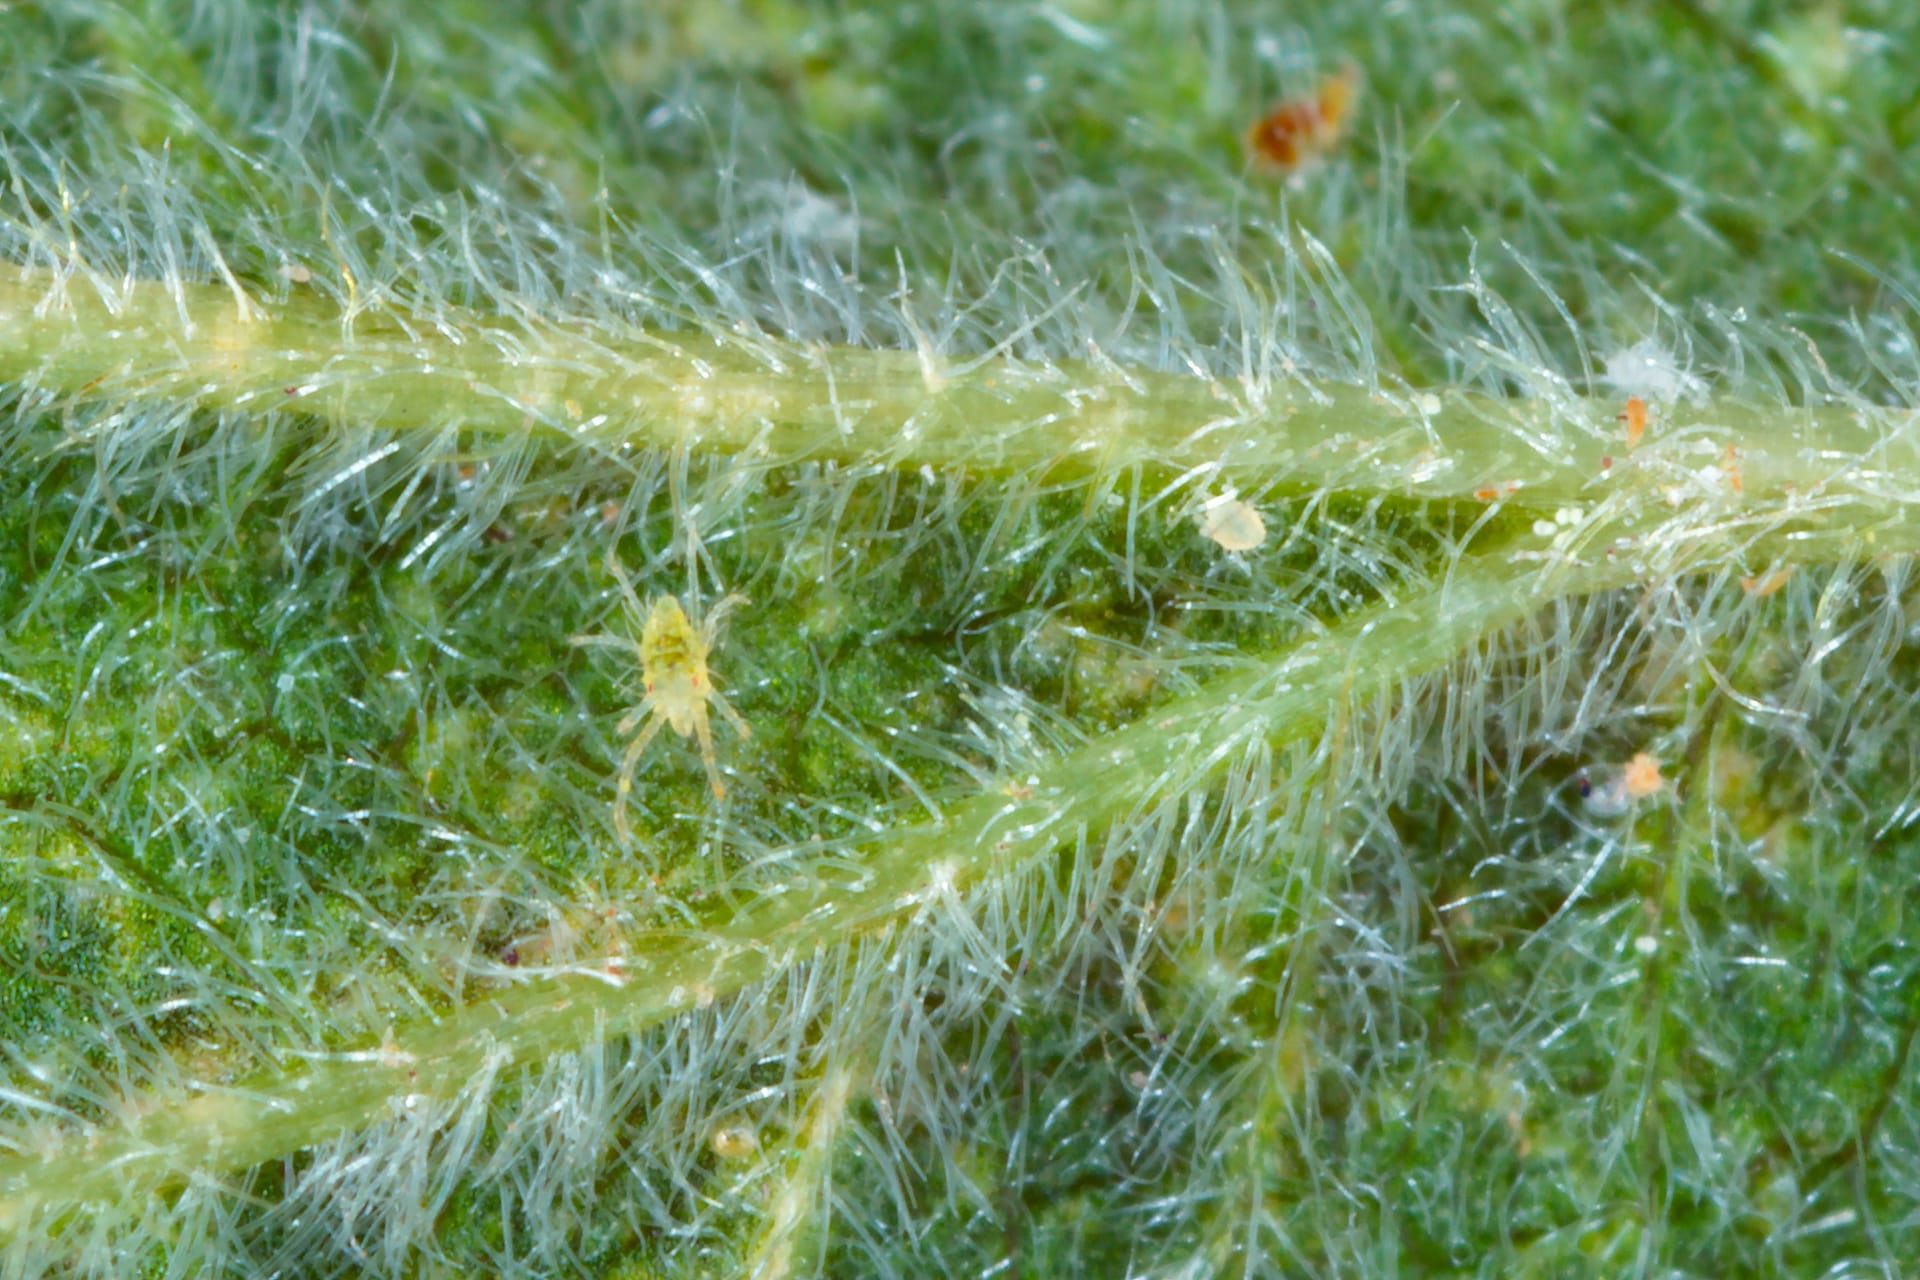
[[1232, 524], [1766, 584], [1635, 416], [1303, 129], [1610, 792], [672, 651]]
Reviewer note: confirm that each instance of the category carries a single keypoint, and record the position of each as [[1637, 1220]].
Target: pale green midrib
[[1164, 754], [779, 402]]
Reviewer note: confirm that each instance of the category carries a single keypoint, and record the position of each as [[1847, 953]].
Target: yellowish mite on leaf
[[1766, 584], [733, 1141], [672, 651]]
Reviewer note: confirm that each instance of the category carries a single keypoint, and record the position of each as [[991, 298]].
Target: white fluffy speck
[[1651, 371]]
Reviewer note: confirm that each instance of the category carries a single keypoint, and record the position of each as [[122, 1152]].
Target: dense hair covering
[[1349, 717]]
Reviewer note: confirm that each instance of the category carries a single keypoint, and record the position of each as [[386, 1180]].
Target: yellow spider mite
[[673, 668]]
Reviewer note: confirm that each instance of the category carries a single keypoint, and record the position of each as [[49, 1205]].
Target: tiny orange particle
[[1304, 129], [1486, 495], [1642, 777], [1636, 419], [1733, 469]]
